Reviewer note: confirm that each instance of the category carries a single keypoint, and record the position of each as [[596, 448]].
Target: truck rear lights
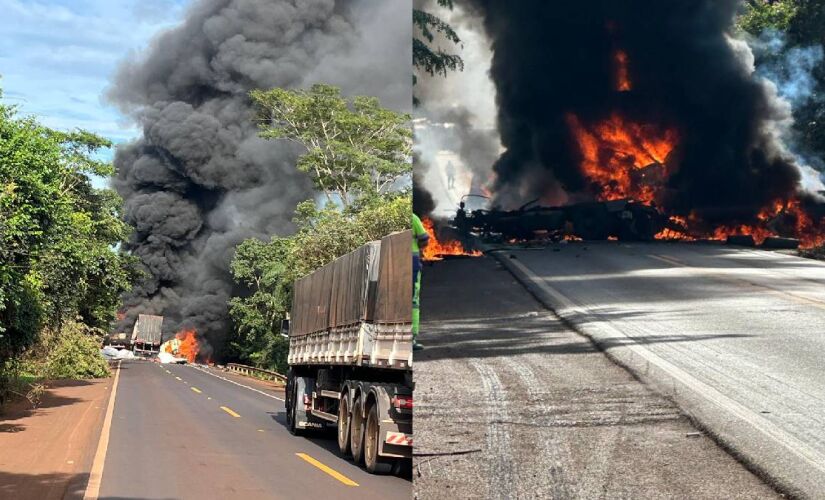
[[402, 402]]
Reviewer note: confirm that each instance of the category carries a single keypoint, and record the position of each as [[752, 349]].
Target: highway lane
[[181, 432], [734, 335], [510, 403]]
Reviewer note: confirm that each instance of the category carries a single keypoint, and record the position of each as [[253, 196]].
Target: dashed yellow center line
[[178, 378], [195, 389], [167, 371], [230, 411], [332, 472], [260, 430]]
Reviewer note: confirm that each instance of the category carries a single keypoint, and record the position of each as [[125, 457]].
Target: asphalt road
[[511, 403], [180, 432], [734, 335]]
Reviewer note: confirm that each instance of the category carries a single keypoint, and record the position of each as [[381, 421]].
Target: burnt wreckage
[[623, 219]]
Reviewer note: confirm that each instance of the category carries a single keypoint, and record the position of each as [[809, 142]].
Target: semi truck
[[146, 334], [350, 353]]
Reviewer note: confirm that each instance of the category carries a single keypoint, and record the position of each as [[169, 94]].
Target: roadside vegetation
[[358, 157], [61, 274], [799, 25]]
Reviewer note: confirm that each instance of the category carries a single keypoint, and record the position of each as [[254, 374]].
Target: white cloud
[[57, 56]]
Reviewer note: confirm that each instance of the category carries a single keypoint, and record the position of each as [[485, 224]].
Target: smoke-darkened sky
[[199, 180]]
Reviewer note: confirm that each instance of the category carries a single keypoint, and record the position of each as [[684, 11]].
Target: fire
[[435, 250], [619, 157], [184, 345], [623, 159], [622, 75]]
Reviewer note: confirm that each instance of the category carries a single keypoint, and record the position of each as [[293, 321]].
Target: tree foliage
[[359, 177], [58, 233], [802, 23], [760, 15], [434, 60], [354, 148]]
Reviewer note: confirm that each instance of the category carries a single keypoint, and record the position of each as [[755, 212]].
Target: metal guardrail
[[259, 372]]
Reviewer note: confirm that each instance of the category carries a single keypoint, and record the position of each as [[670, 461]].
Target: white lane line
[[96, 474], [568, 309], [236, 383]]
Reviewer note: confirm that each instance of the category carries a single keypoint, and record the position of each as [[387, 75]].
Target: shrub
[[76, 355]]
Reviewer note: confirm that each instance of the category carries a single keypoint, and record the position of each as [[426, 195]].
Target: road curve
[[734, 335], [182, 432]]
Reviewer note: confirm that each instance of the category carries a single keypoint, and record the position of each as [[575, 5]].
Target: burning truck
[[642, 123], [350, 353]]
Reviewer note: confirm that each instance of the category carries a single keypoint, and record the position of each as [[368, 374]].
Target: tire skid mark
[[501, 479], [549, 448]]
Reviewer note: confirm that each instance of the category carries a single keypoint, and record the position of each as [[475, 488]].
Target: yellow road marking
[[229, 411], [260, 430], [207, 397], [196, 389], [167, 371], [178, 378], [332, 472], [96, 474]]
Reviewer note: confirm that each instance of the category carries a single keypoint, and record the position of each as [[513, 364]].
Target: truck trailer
[[350, 353], [146, 334]]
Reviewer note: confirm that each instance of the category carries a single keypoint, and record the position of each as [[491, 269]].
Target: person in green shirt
[[419, 241]]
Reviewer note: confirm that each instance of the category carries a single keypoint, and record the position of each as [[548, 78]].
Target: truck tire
[[292, 410], [372, 442], [344, 426], [357, 432]]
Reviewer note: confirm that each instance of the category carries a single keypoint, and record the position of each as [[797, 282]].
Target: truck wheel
[[357, 432], [372, 441], [292, 411], [344, 426]]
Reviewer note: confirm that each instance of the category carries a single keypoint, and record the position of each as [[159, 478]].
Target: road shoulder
[[46, 453]]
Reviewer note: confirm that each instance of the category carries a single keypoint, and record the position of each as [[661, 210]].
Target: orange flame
[[622, 75], [435, 250], [623, 159], [186, 345], [616, 152]]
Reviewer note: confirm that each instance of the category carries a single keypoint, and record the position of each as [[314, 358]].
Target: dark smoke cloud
[[199, 180], [554, 58]]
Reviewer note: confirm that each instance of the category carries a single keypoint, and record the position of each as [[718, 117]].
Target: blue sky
[[57, 57]]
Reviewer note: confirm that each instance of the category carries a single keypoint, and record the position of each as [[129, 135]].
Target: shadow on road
[[511, 336], [22, 408], [53, 486]]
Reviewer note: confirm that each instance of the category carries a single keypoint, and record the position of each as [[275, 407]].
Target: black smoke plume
[[687, 71], [199, 180]]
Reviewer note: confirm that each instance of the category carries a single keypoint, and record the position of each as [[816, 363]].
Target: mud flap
[[304, 386], [398, 432]]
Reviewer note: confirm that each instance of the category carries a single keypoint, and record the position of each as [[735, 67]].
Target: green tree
[[58, 234], [354, 148], [358, 156], [802, 22], [434, 60], [269, 269], [760, 15]]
